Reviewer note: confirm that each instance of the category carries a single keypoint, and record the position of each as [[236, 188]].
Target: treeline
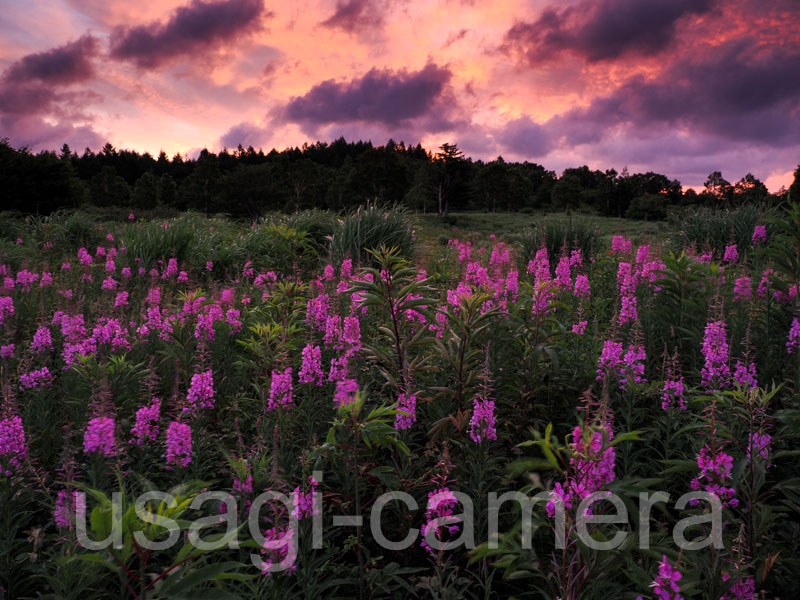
[[246, 183]]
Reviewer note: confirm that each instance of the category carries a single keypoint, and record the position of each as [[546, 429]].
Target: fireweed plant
[[193, 355]]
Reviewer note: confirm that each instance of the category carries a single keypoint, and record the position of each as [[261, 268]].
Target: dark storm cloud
[[355, 15], [738, 91], [381, 96], [66, 64], [601, 30], [191, 29]]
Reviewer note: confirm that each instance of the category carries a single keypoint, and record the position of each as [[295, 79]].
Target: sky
[[680, 87]]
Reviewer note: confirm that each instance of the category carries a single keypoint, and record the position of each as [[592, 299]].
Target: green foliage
[[716, 228], [370, 227]]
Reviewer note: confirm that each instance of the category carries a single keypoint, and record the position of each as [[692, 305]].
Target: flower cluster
[[179, 444], [201, 391], [715, 371], [280, 389], [346, 391], [408, 404], [715, 471], [13, 448], [146, 427], [592, 467], [99, 436], [311, 369]]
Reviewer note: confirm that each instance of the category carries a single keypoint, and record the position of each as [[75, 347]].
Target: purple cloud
[[737, 91], [524, 137], [380, 96], [190, 30], [34, 87], [70, 63], [601, 30], [355, 15], [245, 134]]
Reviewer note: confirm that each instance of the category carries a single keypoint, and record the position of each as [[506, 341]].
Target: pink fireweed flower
[[317, 311], [351, 334], [575, 258], [408, 404], [512, 285], [731, 254], [280, 389], [66, 266], [642, 254], [201, 391], [563, 277], [171, 270], [665, 585], [179, 444], [146, 427], [634, 364], [482, 423], [131, 217], [47, 279], [232, 319], [109, 283], [620, 245], [628, 311], [7, 350], [303, 502], [346, 391], [591, 467], [338, 370], [441, 503], [759, 445], [13, 448], [311, 369], [84, 257], [328, 273], [582, 289], [111, 267], [793, 344], [99, 436], [745, 374], [209, 266], [227, 296], [579, 328], [64, 509], [759, 235], [610, 359], [742, 290], [38, 378], [716, 371], [715, 472], [183, 277], [673, 392], [26, 279], [153, 296], [6, 308], [121, 299], [42, 341]]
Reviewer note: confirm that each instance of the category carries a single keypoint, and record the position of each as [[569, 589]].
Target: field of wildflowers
[[192, 355]]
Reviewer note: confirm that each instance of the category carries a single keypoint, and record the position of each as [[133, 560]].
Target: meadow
[[303, 367]]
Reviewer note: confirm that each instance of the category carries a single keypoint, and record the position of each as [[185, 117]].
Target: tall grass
[[369, 227], [716, 228], [556, 233]]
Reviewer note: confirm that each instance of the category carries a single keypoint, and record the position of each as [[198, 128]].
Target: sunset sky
[[682, 87]]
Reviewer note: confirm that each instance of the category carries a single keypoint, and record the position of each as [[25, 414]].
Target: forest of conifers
[[245, 183]]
